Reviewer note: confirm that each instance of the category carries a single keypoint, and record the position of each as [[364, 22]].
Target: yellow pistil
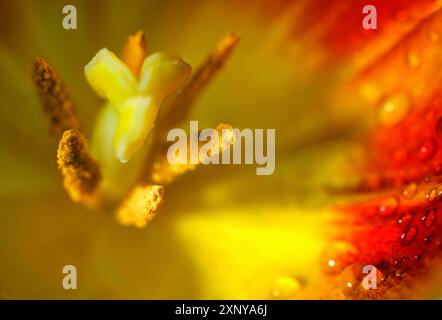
[[55, 98], [137, 103], [141, 205], [80, 173], [134, 52]]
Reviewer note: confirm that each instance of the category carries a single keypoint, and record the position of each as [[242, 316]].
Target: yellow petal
[[110, 77]]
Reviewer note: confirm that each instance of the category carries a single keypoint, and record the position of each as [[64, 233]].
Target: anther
[[81, 174], [55, 98], [141, 205]]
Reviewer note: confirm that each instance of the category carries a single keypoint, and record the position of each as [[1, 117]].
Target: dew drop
[[405, 219], [394, 108], [336, 256], [353, 282], [400, 274], [413, 60], [429, 219], [439, 192], [410, 191], [430, 195], [350, 280], [427, 149], [388, 206], [408, 236], [428, 239], [285, 287]]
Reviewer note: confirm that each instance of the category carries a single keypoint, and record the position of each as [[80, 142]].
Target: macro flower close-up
[[218, 149]]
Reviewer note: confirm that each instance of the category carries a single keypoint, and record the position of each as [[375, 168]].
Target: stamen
[[134, 52], [164, 172], [81, 174], [227, 134], [55, 98], [178, 108], [141, 206]]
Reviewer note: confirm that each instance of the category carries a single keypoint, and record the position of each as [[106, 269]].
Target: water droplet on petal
[[430, 195], [408, 236], [285, 287], [428, 239], [400, 274], [427, 149], [353, 282], [439, 192], [351, 279], [336, 256], [410, 191], [394, 108], [429, 219], [405, 219], [388, 206]]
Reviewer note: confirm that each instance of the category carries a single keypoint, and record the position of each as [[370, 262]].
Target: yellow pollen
[[164, 172], [81, 174], [55, 98], [141, 206]]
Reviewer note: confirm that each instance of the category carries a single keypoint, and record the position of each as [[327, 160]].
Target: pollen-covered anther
[[164, 172], [227, 134], [227, 137], [55, 98], [134, 52], [141, 205], [80, 172]]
